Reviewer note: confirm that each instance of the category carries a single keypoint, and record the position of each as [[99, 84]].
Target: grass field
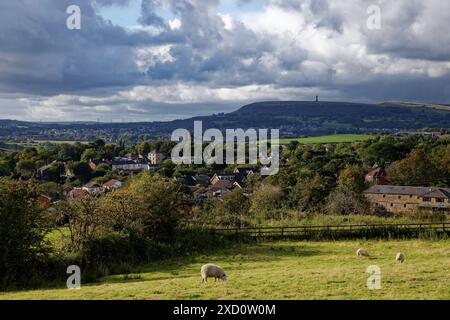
[[60, 141], [281, 271], [337, 138]]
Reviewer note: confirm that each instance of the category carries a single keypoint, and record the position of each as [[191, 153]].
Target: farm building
[[376, 176], [401, 199]]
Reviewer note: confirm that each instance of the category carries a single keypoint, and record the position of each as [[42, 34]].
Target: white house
[[112, 184]]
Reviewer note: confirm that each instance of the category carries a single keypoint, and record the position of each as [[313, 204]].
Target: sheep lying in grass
[[400, 257], [362, 253], [213, 271]]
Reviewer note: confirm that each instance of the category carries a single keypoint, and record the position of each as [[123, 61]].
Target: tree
[[89, 154], [253, 181], [85, 220], [387, 150], [51, 189], [124, 212], [97, 144], [109, 151], [293, 145], [55, 171], [23, 227], [144, 148], [4, 168], [102, 169], [444, 163], [352, 178], [311, 193], [28, 153], [26, 167], [81, 171], [162, 204], [266, 199], [415, 170], [348, 198], [69, 152], [233, 209]]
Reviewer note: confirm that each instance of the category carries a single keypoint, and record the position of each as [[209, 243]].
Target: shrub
[[23, 226], [266, 200], [430, 216], [233, 209]]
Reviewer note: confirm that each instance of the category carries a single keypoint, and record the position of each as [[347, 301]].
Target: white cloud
[[289, 49]]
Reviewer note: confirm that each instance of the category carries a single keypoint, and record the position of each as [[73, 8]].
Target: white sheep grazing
[[362, 253], [213, 271], [400, 257]]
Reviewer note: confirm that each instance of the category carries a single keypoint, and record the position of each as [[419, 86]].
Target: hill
[[293, 118], [436, 106], [297, 118]]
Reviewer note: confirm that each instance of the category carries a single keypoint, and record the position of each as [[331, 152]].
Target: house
[[220, 187], [202, 180], [44, 201], [66, 190], [222, 177], [127, 165], [376, 176], [68, 173], [156, 158], [92, 188], [238, 184], [187, 180], [78, 193], [199, 194], [245, 171], [132, 156], [112, 184], [92, 164], [234, 177], [404, 199], [42, 172]]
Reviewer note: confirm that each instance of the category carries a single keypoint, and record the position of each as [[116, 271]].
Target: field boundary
[[405, 230]]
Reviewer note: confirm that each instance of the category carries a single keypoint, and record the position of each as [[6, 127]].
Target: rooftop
[[408, 190]]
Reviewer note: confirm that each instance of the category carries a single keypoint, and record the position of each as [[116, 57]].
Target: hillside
[[293, 118], [436, 106]]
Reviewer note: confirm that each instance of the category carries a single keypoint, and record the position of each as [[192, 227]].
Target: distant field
[[337, 138], [37, 143], [59, 142], [282, 271]]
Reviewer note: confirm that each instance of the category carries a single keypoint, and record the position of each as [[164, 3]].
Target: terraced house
[[403, 199]]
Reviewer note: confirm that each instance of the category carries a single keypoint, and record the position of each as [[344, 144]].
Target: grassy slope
[[338, 138], [283, 270]]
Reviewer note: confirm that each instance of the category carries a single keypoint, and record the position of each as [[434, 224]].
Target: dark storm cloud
[[288, 46], [39, 55]]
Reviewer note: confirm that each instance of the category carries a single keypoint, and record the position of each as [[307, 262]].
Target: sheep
[[400, 257], [362, 253], [212, 271]]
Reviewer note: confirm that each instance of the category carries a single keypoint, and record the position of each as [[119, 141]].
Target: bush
[[233, 209], [266, 200], [429, 216], [23, 226]]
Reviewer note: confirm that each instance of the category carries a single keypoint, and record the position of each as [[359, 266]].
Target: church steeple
[[317, 98]]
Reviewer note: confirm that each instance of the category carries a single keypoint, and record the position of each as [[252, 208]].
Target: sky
[[151, 60]]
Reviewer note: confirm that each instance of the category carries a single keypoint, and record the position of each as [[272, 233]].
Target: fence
[[337, 232]]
